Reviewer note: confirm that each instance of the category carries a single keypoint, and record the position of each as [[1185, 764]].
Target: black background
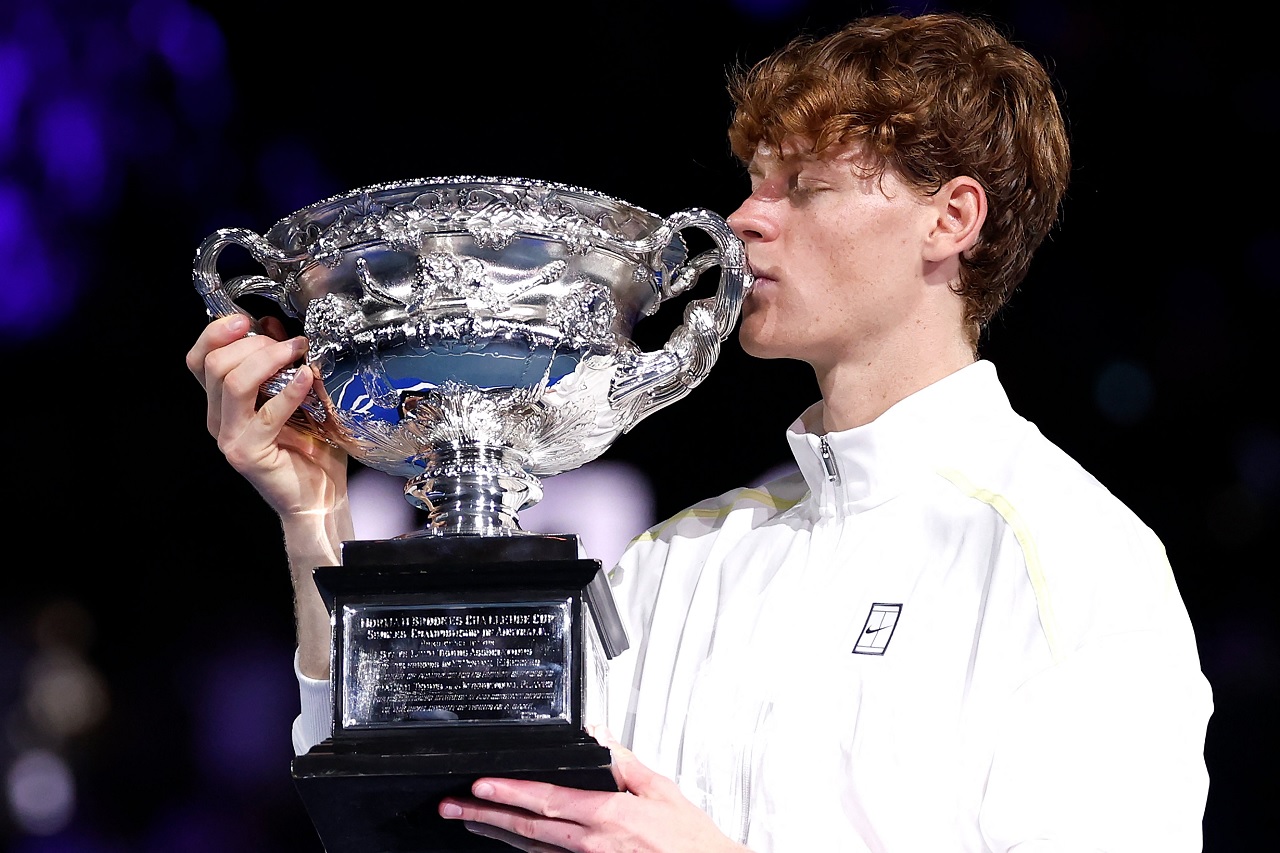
[[121, 506]]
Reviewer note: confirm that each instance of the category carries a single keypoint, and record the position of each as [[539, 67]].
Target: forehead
[[798, 153]]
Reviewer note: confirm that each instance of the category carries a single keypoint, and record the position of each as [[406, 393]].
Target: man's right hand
[[302, 477], [295, 473]]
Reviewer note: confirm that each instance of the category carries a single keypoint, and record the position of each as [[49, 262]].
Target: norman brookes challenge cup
[[472, 335]]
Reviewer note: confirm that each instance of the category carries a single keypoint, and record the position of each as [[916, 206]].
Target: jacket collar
[[876, 461]]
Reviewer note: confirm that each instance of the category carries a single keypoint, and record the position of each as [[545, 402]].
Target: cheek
[[827, 255]]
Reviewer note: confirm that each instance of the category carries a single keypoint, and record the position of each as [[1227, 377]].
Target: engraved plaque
[[432, 664]]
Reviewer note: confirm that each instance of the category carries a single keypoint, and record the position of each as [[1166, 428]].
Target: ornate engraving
[[474, 334], [492, 213], [585, 315]]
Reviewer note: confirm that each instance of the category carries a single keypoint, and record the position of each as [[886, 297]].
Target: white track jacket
[[942, 635]]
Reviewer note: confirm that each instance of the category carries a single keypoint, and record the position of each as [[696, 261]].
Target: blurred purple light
[[41, 792], [190, 41], [199, 828], [291, 176], [30, 297], [248, 703], [769, 9], [206, 103], [80, 117], [37, 28], [71, 840], [14, 79], [70, 143]]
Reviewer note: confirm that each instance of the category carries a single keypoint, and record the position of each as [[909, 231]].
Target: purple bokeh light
[[70, 143], [14, 79], [92, 98], [32, 296], [769, 10]]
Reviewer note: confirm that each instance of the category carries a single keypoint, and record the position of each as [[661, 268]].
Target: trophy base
[[371, 798], [455, 657]]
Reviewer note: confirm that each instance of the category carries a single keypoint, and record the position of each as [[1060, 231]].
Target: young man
[[941, 634]]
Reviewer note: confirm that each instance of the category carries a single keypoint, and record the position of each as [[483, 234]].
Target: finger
[[542, 798], [636, 777], [605, 738], [527, 845], [274, 327], [512, 823], [217, 366], [277, 408], [235, 374], [215, 335]]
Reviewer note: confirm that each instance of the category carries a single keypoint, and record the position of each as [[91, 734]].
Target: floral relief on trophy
[[493, 215], [475, 334], [457, 414], [585, 315]]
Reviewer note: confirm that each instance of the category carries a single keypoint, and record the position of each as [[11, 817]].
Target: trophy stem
[[473, 489]]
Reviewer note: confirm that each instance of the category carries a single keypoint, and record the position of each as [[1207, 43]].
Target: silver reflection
[[473, 334]]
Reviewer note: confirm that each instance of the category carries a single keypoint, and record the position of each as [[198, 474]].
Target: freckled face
[[836, 256]]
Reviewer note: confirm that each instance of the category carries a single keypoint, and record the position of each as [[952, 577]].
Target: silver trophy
[[472, 335]]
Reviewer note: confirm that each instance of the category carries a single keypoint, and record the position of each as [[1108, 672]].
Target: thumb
[[605, 738], [629, 772], [634, 776]]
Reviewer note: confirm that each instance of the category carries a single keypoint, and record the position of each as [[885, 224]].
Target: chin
[[753, 345]]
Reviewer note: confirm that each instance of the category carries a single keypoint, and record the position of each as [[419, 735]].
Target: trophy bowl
[[474, 334]]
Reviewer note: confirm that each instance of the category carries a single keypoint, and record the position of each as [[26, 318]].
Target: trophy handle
[[220, 301], [686, 358], [219, 296]]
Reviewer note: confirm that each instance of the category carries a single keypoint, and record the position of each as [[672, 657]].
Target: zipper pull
[[828, 463]]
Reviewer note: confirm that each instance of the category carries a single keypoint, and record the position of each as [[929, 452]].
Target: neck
[[856, 393]]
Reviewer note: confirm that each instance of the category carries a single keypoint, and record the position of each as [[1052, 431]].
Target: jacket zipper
[[748, 765], [828, 461]]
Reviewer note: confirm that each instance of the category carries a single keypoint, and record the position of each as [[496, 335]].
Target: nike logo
[[874, 641]]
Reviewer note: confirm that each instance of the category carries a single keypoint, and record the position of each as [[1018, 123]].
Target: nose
[[751, 221]]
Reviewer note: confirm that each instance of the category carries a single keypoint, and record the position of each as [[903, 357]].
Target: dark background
[[145, 619]]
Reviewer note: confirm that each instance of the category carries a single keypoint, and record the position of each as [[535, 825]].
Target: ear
[[961, 208]]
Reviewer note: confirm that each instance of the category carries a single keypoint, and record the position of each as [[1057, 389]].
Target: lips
[[759, 275]]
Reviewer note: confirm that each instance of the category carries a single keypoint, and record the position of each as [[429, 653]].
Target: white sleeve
[[315, 721], [1104, 751]]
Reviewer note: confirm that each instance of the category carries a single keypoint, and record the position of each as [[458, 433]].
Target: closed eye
[[801, 190]]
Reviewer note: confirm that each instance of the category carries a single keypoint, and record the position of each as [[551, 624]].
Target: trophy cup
[[472, 335]]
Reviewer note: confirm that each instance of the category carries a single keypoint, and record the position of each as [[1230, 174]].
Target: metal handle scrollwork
[[220, 300], [686, 359]]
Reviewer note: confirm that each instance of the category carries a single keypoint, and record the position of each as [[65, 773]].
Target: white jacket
[[941, 635]]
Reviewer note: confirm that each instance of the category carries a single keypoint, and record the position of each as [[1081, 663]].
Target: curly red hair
[[931, 97]]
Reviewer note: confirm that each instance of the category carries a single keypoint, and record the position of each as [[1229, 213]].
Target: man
[[941, 634]]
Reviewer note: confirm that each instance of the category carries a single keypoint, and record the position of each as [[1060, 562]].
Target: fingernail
[[302, 376], [482, 789], [451, 810], [238, 323]]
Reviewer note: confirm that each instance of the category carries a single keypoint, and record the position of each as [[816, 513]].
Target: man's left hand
[[648, 815]]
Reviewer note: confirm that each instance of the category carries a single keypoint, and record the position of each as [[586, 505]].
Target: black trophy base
[[375, 785], [377, 800]]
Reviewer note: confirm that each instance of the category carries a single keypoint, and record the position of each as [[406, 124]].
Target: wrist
[[314, 537]]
